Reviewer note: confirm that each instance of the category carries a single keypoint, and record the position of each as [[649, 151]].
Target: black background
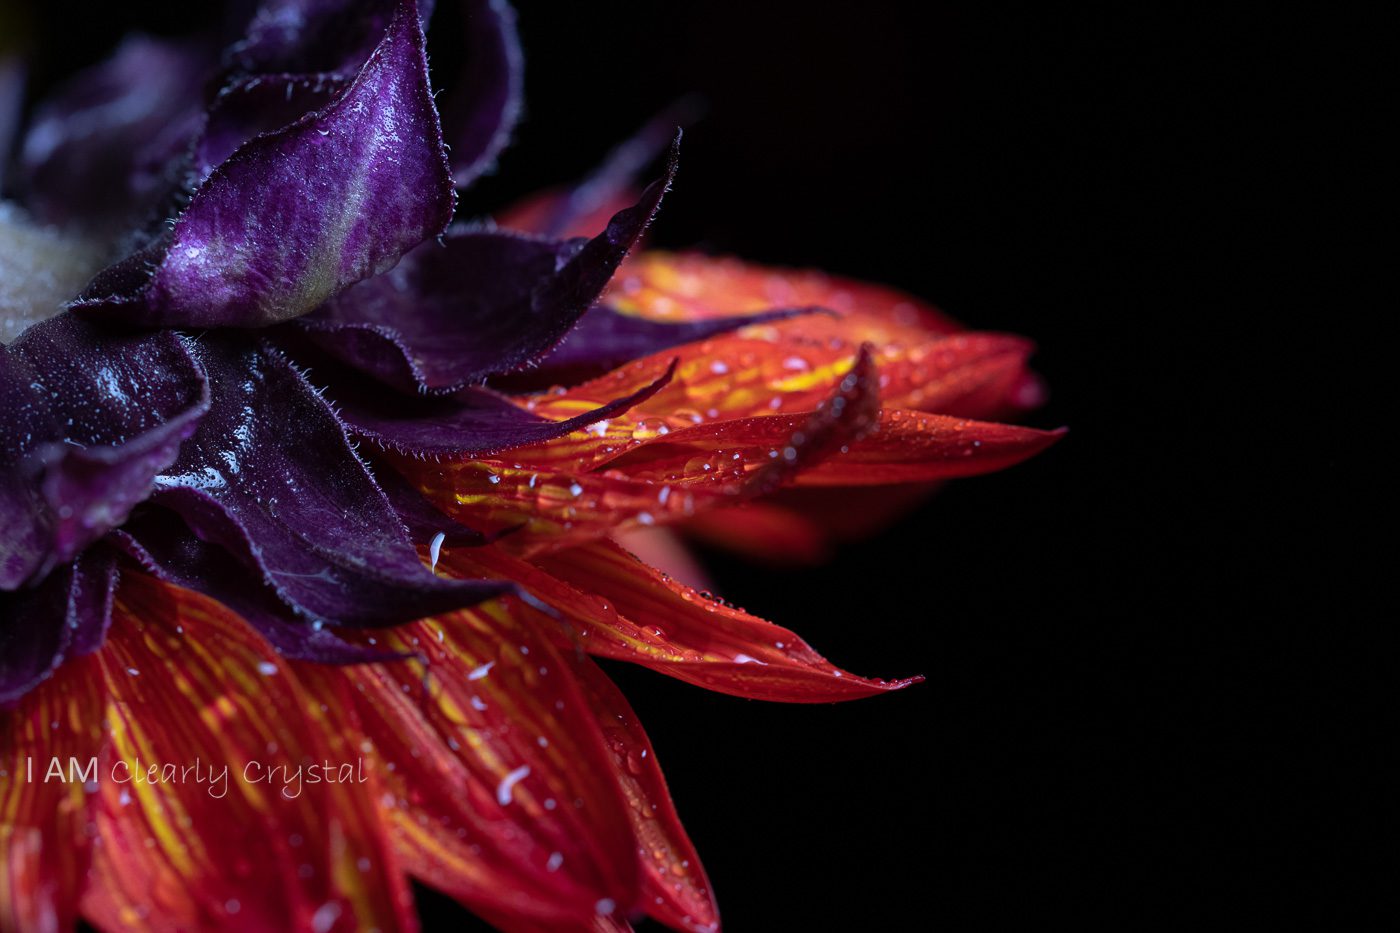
[[1122, 719]]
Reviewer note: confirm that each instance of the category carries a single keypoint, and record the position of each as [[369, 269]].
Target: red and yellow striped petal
[[620, 608], [708, 467], [497, 780], [691, 286], [44, 815], [188, 685], [675, 890]]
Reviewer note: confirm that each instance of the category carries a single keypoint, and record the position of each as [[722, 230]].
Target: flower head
[[298, 471]]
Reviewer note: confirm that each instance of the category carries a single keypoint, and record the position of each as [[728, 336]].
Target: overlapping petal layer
[[498, 786], [91, 417], [188, 524], [265, 845], [285, 222]]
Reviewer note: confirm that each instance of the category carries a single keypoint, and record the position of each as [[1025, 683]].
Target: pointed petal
[[481, 304], [357, 184], [190, 684], [557, 506], [271, 477], [470, 423], [675, 890], [912, 447], [44, 843], [501, 790], [625, 610]]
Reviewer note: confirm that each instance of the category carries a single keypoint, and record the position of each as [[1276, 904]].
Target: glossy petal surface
[[502, 792], [271, 478], [92, 417]]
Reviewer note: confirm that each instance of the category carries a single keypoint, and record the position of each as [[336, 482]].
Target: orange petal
[[914, 447], [623, 609], [674, 887], [774, 368], [553, 508], [190, 685], [44, 841], [497, 779], [690, 286]]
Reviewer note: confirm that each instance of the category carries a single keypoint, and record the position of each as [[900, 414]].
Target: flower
[[311, 496]]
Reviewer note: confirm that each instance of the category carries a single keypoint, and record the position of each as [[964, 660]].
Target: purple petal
[[471, 423], [250, 107], [485, 303], [66, 615], [91, 417], [332, 36], [164, 547], [295, 216], [98, 149], [271, 477], [487, 101]]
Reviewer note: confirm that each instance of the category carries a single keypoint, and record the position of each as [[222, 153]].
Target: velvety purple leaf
[[161, 543], [472, 423], [605, 339], [64, 616], [271, 477], [100, 149], [302, 36], [486, 103], [482, 304], [91, 416], [295, 216], [250, 107]]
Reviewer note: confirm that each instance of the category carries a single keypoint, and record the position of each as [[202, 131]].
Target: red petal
[[912, 447], [190, 684], [44, 843], [675, 890], [626, 610], [558, 508], [498, 783], [689, 286]]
